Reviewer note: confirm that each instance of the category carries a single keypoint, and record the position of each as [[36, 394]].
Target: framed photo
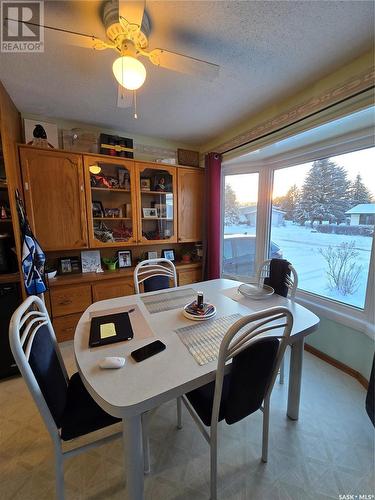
[[124, 258], [112, 212], [151, 255], [168, 254], [91, 261], [150, 213], [41, 134], [161, 210], [97, 209], [69, 265], [145, 184]]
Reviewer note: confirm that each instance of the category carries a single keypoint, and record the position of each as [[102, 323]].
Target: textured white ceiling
[[267, 50]]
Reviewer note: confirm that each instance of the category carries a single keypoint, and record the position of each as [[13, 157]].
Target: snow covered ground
[[301, 247]]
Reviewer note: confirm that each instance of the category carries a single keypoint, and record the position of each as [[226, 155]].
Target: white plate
[[198, 318], [255, 292]]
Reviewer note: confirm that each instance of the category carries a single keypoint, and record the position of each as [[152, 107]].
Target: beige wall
[[151, 147]]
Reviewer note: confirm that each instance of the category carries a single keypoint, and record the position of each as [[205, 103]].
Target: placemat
[[203, 340], [167, 301]]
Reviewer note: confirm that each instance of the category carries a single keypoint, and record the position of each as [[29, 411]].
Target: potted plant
[[186, 256], [110, 263]]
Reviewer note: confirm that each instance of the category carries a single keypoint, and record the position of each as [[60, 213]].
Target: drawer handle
[[65, 302]]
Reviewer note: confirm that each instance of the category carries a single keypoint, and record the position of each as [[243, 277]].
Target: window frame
[[351, 316]]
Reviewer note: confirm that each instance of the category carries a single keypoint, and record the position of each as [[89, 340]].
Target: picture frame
[[90, 260], [69, 265], [151, 255], [150, 213], [115, 213], [97, 209], [168, 254], [48, 129], [124, 258], [145, 184]]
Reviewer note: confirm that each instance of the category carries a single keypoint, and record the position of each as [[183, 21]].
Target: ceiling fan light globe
[[129, 72]]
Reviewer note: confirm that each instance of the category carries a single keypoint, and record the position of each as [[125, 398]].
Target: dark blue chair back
[[156, 283], [249, 379], [47, 370]]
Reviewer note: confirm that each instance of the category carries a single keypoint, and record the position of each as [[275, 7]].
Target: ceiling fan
[[127, 28]]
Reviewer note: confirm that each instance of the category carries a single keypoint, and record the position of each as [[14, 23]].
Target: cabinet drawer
[[65, 326], [189, 276], [70, 299], [112, 288]]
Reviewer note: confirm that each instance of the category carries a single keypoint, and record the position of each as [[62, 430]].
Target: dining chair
[[154, 274], [289, 288], [247, 386], [66, 407]]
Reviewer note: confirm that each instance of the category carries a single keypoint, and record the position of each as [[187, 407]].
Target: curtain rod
[[298, 121]]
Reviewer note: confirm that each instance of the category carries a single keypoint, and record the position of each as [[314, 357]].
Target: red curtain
[[213, 214]]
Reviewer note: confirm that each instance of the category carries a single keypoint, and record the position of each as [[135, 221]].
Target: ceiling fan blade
[[184, 64], [132, 11], [124, 98], [69, 37]]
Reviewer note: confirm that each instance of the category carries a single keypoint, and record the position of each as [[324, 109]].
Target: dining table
[[136, 388]]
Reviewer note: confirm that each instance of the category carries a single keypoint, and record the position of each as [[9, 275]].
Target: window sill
[[346, 315]]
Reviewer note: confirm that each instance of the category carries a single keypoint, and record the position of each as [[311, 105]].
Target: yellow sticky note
[[107, 330]]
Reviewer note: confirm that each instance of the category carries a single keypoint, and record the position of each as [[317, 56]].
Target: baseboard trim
[[337, 364]]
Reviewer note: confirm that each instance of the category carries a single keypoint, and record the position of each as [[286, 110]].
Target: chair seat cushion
[[202, 399], [82, 414]]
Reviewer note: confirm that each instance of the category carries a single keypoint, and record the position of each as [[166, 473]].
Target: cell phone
[[147, 351]]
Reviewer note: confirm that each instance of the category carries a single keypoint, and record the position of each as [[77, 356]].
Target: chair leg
[[59, 473], [213, 457], [179, 413], [282, 370], [266, 424], [146, 444]]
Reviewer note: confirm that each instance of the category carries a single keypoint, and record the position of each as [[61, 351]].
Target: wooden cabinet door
[[117, 226], [110, 289], [157, 203], [190, 187], [55, 198]]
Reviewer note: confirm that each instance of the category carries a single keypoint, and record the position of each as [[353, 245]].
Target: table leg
[[132, 436], [295, 378]]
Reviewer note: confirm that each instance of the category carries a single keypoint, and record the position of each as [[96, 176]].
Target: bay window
[[311, 200]]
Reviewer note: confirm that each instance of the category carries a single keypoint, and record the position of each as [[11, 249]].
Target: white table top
[[138, 387]]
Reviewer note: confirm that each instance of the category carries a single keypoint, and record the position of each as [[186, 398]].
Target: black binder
[[110, 329]]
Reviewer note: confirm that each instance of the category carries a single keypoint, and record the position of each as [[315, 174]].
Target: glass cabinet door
[[157, 203], [110, 201]]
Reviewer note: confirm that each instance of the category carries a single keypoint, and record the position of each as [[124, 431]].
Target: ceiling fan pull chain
[[135, 104]]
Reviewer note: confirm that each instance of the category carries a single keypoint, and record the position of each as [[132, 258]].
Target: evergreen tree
[[325, 193], [231, 207], [359, 192], [289, 202]]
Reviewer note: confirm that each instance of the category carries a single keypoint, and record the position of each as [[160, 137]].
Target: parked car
[[239, 254]]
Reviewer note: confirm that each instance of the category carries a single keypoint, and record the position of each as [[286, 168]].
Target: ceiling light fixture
[[129, 72]]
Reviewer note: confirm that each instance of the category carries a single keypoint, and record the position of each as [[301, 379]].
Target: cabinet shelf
[[5, 220], [156, 218], [110, 190], [156, 192], [112, 218]]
